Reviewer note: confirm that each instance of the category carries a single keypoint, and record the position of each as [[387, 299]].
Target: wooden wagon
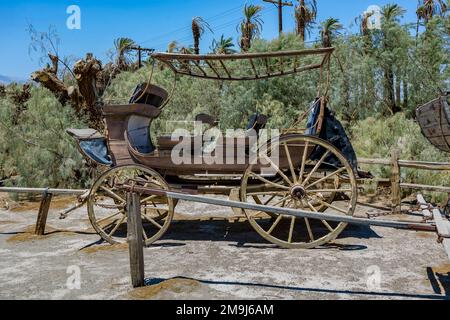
[[309, 173]]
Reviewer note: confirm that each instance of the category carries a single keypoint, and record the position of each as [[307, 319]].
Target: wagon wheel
[[309, 183], [107, 205]]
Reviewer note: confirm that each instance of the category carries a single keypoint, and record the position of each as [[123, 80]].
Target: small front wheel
[[107, 205]]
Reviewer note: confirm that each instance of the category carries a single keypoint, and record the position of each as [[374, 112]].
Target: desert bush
[[375, 138], [36, 151]]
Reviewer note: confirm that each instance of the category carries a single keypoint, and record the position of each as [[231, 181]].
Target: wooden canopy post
[[43, 213], [135, 241], [396, 198]]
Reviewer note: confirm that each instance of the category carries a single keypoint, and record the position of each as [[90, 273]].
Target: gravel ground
[[215, 259]]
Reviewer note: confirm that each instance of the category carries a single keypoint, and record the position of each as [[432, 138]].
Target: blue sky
[[152, 23]]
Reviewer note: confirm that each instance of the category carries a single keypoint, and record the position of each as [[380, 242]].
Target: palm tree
[[391, 14], [172, 47], [330, 30], [198, 29], [363, 22], [427, 9], [251, 25], [223, 46], [305, 15], [123, 48]]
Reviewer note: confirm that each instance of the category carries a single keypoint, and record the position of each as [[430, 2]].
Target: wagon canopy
[[248, 66]]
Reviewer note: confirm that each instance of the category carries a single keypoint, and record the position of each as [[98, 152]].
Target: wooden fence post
[[135, 241], [43, 213], [396, 197]]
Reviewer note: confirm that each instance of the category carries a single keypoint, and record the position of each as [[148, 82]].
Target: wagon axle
[[298, 192]]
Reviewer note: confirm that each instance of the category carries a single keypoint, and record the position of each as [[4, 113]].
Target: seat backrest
[[138, 134], [257, 122], [149, 94]]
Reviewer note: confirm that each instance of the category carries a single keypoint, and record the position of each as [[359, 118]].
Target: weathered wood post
[[135, 241], [396, 197], [43, 213]]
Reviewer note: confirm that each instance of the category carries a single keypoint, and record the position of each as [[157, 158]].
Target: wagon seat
[[129, 125], [257, 122]]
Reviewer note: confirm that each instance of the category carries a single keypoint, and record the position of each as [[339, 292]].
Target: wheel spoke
[[152, 221], [157, 210], [274, 225], [328, 190], [152, 181], [291, 166], [308, 227], [291, 229], [148, 199], [268, 182], [270, 199], [283, 200], [323, 221], [316, 167], [326, 178], [107, 225], [267, 193], [109, 217], [144, 234], [113, 194], [109, 206], [331, 206], [117, 226], [327, 225], [302, 169], [273, 165]]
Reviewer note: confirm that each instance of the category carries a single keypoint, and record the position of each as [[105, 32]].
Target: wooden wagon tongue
[[131, 187]]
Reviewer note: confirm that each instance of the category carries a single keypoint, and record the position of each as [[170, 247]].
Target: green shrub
[[36, 151], [375, 138]]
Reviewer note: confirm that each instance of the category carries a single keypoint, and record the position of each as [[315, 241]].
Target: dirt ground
[[215, 259]]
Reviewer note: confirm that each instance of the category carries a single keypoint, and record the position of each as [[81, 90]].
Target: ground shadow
[[242, 234], [440, 282], [49, 233], [155, 281]]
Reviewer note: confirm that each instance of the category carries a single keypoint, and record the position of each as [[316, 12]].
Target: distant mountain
[[8, 80]]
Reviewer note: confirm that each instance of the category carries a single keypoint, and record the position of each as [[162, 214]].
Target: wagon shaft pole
[[43, 213], [279, 210], [135, 241]]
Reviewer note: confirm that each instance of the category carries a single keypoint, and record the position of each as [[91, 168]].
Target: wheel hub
[[298, 192]]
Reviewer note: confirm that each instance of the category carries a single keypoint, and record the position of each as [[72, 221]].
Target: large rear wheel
[[309, 175]]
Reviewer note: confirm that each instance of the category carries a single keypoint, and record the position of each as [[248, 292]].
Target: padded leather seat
[[92, 145]]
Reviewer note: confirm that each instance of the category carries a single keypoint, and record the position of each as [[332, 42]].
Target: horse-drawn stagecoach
[[315, 172]]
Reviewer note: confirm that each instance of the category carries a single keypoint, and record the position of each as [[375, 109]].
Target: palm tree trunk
[[301, 26], [398, 101], [405, 95], [196, 45], [389, 90]]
